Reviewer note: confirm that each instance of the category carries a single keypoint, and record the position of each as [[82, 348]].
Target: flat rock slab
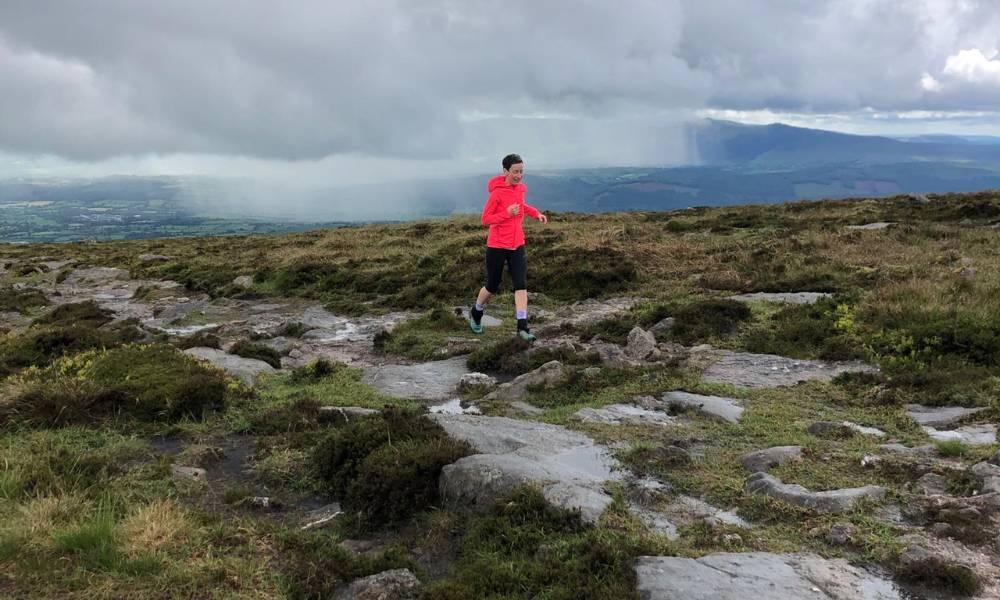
[[432, 381], [244, 369], [872, 226], [783, 297], [97, 275], [939, 416], [688, 509], [570, 467], [724, 409], [973, 434], [755, 371], [619, 414], [587, 312], [759, 575], [828, 502]]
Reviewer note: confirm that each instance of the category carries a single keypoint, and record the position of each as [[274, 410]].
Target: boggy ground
[[99, 406]]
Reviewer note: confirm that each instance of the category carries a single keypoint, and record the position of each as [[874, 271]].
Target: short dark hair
[[510, 160]]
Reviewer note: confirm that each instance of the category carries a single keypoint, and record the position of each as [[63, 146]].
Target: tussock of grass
[[148, 383], [21, 300], [386, 466], [524, 547], [200, 339], [423, 337], [248, 349]]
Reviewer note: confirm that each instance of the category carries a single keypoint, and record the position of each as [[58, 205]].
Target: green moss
[[313, 565], [200, 339], [80, 313], [40, 345], [806, 331], [148, 383], [698, 321], [422, 338], [525, 548], [21, 300]]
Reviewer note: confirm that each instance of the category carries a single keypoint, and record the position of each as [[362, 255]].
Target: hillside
[[810, 387]]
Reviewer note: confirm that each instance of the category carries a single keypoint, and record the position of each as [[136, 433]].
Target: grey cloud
[[310, 79], [392, 78], [833, 55]]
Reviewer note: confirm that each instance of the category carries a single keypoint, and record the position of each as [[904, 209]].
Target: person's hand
[[513, 209], [543, 218]]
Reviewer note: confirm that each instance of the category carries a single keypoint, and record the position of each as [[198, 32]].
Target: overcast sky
[[360, 90]]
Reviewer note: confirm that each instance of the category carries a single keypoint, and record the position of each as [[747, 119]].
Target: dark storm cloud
[[309, 79], [400, 79]]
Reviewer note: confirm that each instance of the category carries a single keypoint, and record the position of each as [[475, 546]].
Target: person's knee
[[491, 288], [521, 285]]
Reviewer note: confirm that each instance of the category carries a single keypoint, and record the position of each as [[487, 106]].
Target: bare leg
[[520, 300], [484, 297]]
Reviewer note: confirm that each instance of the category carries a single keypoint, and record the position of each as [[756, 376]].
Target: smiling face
[[514, 173]]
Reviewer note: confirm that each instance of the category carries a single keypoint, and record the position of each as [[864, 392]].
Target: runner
[[505, 209]]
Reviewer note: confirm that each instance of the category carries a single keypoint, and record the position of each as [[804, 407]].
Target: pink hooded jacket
[[505, 230]]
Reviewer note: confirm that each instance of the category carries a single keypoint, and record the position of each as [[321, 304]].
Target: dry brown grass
[[158, 526]]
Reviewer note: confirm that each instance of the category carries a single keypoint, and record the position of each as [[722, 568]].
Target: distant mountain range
[[784, 146], [737, 164]]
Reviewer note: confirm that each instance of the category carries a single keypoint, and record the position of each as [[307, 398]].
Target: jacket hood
[[499, 181]]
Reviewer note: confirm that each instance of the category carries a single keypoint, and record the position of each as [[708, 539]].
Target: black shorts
[[517, 264]]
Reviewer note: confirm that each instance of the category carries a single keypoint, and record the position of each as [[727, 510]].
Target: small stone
[[940, 529], [995, 459], [591, 372], [641, 344], [476, 382], [732, 539], [663, 326], [964, 515], [397, 584], [148, 258], [243, 281], [646, 402], [932, 484], [648, 491], [762, 460], [673, 456], [188, 473], [258, 502], [840, 534]]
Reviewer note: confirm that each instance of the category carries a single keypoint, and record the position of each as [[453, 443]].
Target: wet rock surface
[[939, 416], [723, 409], [435, 380], [732, 576], [569, 466], [970, 434]]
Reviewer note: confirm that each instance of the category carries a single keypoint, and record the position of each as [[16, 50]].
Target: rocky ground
[[937, 511]]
